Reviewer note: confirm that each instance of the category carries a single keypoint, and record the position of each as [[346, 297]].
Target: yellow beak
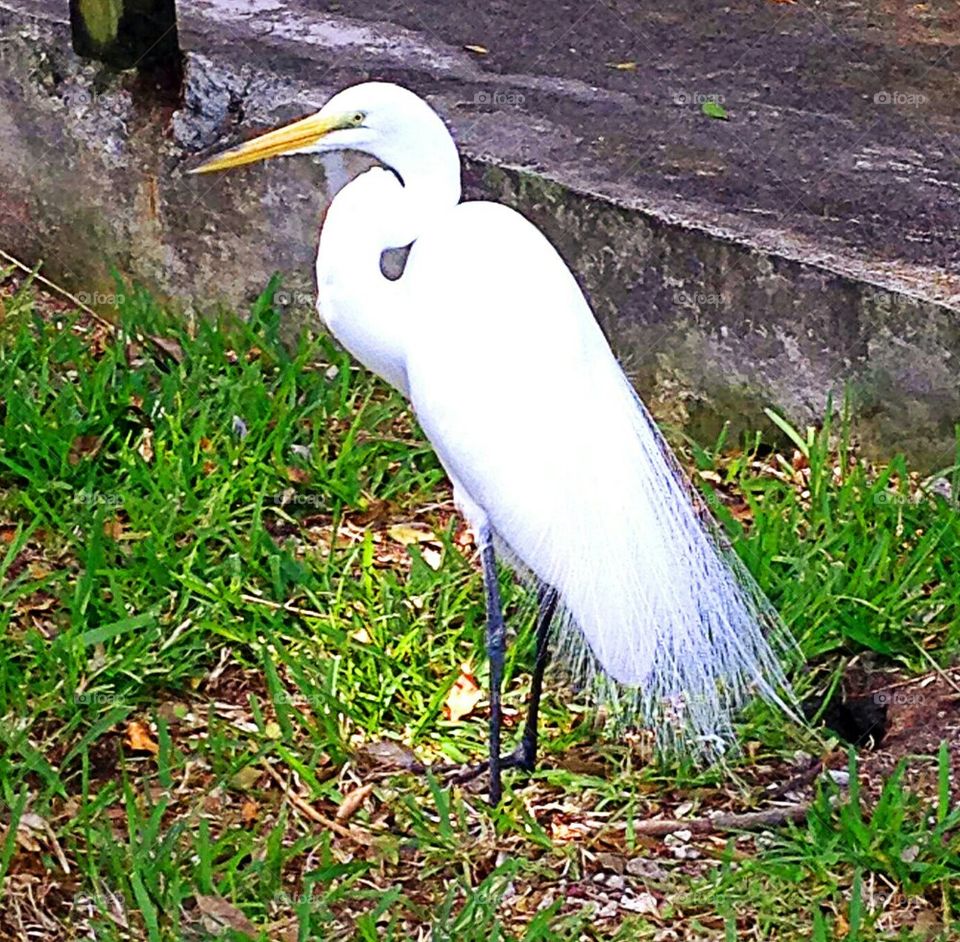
[[289, 138]]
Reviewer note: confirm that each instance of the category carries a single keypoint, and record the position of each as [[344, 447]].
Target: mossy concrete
[[714, 317]]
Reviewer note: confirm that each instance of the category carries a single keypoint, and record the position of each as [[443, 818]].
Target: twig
[[751, 821], [936, 667], [286, 607], [72, 298], [798, 781], [362, 838]]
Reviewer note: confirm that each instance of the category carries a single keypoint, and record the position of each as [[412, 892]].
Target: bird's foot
[[523, 758]]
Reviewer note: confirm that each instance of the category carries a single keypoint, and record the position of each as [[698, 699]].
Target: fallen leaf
[[84, 446], [408, 533], [464, 695], [245, 778], [145, 448], [249, 811], [432, 557], [113, 528], [384, 756], [298, 475], [218, 915], [622, 66], [479, 50], [361, 636], [713, 109], [169, 347], [352, 801], [139, 739]]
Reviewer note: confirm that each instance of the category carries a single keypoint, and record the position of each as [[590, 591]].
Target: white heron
[[555, 462]]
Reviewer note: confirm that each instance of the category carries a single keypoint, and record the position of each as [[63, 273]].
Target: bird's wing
[[517, 389]]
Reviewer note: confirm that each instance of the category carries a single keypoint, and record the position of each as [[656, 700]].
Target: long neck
[[425, 159], [375, 212]]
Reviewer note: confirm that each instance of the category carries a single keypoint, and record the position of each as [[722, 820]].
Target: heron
[[556, 464]]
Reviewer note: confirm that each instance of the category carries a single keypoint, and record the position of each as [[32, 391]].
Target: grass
[[230, 571]]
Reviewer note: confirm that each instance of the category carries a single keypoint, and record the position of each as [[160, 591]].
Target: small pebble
[[643, 903], [642, 867]]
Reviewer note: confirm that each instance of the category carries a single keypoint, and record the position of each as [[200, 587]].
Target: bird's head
[[378, 118]]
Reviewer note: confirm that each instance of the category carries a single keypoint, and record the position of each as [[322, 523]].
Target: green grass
[[197, 540]]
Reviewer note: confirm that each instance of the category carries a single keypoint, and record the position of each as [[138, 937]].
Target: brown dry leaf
[[249, 811], [464, 695], [7, 532], [351, 802], [113, 528], [31, 829], [563, 833], [145, 448], [168, 346], [407, 533], [218, 915], [209, 467], [298, 475], [385, 756], [206, 444], [139, 738], [479, 50], [84, 446]]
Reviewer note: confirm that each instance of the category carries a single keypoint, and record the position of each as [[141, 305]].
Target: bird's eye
[[358, 118]]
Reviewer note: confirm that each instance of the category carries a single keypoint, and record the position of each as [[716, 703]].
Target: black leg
[[496, 644], [526, 754]]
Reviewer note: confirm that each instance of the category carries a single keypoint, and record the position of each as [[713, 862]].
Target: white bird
[[553, 458]]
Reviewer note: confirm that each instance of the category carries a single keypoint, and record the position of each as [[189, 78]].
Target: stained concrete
[[803, 247]]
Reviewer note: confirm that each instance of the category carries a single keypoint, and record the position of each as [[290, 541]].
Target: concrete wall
[[712, 322]]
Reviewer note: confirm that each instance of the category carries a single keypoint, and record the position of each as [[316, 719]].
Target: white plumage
[[550, 451]]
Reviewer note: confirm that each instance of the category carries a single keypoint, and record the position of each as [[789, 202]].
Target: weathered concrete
[[804, 246]]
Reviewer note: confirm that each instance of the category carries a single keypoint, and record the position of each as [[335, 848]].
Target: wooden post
[[127, 34]]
